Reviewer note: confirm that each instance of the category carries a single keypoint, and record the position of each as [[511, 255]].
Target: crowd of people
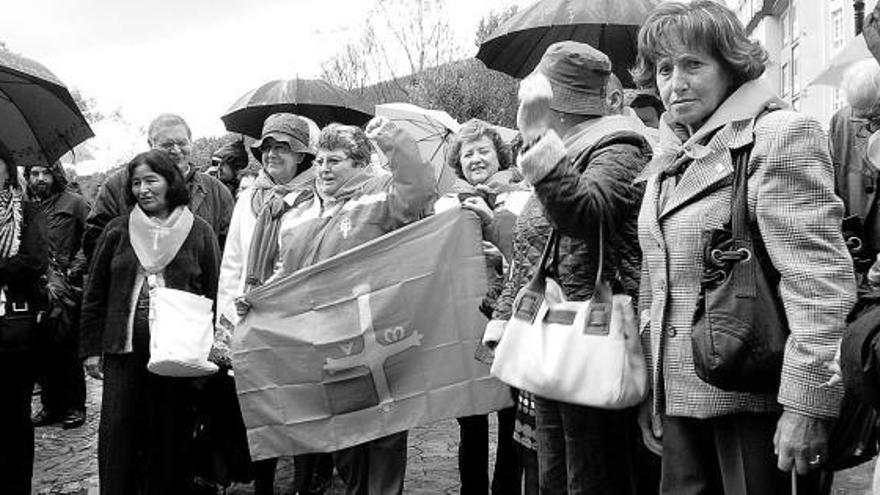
[[648, 178]]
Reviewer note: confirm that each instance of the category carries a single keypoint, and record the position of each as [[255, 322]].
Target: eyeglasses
[[330, 161], [169, 145]]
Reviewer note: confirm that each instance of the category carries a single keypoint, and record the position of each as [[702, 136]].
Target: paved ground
[[66, 461]]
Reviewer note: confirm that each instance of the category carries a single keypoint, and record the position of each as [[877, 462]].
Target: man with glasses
[[209, 198]]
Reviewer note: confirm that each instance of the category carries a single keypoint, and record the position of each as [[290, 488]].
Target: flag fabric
[[373, 341]]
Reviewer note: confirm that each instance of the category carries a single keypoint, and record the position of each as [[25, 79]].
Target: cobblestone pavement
[[66, 460]]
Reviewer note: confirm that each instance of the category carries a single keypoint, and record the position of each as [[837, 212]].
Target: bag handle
[[743, 245]]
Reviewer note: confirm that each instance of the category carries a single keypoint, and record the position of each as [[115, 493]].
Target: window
[[836, 100], [793, 15], [786, 33], [837, 29], [795, 71], [785, 78]]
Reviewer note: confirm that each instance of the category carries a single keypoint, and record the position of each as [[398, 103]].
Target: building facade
[[801, 37]]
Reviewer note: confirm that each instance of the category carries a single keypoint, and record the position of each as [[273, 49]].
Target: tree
[[87, 105], [491, 22], [400, 38]]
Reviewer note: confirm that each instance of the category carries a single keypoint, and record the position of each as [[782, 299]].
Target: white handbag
[[181, 333], [579, 352]]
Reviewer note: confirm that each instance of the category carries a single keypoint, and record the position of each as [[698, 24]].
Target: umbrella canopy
[[318, 100], [39, 119], [853, 52], [433, 130], [611, 26]]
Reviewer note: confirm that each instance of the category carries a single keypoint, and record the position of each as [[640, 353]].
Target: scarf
[[269, 205], [156, 242], [266, 189], [10, 222]]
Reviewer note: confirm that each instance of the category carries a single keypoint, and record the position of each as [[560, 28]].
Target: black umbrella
[[39, 119], [611, 26], [318, 100]]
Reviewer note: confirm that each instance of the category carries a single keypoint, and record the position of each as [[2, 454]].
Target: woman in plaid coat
[[716, 441]]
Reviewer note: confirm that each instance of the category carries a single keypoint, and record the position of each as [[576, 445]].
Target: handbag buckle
[[598, 319], [528, 305], [23, 308]]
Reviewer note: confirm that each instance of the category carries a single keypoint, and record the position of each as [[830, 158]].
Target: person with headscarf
[[24, 257], [63, 391]]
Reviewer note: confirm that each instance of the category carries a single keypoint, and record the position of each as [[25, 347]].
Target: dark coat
[[108, 294], [66, 214], [580, 184], [209, 199], [21, 275]]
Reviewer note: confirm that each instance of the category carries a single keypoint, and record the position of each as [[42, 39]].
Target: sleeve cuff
[[542, 157], [493, 333]]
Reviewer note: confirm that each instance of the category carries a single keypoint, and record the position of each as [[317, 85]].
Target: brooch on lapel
[[345, 227]]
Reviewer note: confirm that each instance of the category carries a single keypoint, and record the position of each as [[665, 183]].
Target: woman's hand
[[478, 205], [94, 366], [241, 307], [534, 116], [381, 131], [800, 442], [651, 426], [834, 367]]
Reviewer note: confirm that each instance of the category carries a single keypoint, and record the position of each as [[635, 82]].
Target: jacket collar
[[730, 127]]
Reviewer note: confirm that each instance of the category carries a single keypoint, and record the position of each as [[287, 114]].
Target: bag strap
[[743, 247], [550, 262]]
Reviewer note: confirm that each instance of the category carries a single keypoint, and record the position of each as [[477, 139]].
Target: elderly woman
[[24, 258], [262, 217], [146, 419], [720, 441], [485, 185], [352, 206]]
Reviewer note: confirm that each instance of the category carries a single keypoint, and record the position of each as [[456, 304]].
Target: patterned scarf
[[10, 222], [269, 206]]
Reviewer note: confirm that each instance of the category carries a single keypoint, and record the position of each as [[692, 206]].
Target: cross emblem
[[374, 353], [345, 227]]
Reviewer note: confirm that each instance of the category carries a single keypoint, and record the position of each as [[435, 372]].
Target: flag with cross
[[373, 341]]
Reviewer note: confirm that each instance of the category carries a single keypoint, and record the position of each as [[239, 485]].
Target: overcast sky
[[192, 57]]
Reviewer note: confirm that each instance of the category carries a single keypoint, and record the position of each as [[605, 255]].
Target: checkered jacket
[[792, 203]]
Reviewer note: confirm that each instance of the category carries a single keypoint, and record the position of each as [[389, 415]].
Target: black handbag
[[740, 328]]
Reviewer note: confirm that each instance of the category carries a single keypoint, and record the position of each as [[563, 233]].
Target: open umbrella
[[853, 52], [318, 100], [611, 26], [433, 131], [39, 119]]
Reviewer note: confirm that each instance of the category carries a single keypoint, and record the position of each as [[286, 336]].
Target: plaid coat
[[793, 205]]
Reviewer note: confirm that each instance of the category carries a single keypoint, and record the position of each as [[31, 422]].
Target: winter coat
[[585, 180], [209, 199], [792, 206], [364, 208], [21, 275], [66, 214], [855, 179], [108, 294]]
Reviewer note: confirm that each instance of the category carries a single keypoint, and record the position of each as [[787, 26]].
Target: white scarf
[[156, 242]]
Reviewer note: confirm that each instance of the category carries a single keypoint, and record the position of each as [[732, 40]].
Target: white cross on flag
[[374, 341]]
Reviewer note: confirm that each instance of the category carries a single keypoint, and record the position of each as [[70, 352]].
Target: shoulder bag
[[580, 352], [181, 333], [740, 328]]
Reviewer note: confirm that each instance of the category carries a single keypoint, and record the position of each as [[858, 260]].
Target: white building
[[801, 36]]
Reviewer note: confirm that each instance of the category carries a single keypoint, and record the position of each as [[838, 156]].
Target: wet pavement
[[66, 460]]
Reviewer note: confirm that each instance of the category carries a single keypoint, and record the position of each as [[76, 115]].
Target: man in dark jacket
[[64, 387], [583, 158], [209, 198]]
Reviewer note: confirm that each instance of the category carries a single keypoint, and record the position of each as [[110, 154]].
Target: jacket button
[[670, 331]]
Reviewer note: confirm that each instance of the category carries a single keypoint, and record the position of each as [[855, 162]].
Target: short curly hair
[[350, 138], [704, 24], [471, 131]]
